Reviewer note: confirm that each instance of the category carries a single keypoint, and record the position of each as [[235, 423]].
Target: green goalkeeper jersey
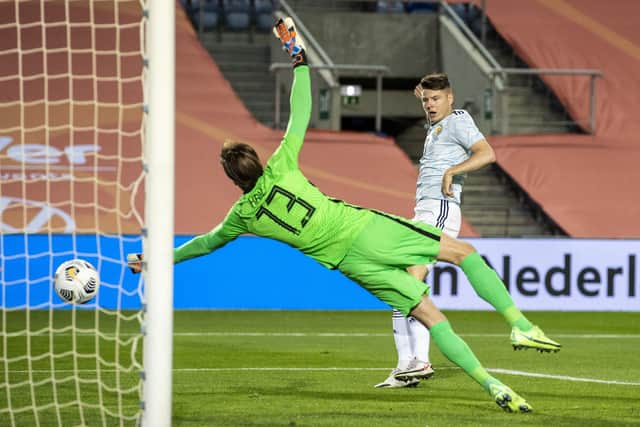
[[284, 205]]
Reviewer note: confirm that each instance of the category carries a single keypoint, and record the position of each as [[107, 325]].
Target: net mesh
[[71, 119]]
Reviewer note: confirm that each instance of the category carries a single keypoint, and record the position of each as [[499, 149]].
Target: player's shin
[[489, 287], [456, 350]]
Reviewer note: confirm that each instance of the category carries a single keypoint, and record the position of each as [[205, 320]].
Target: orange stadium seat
[[583, 182]]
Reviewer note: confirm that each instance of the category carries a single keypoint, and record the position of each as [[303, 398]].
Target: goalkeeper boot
[[533, 338], [392, 382], [291, 41], [508, 399], [416, 369]]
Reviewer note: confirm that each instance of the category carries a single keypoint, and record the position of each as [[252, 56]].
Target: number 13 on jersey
[[286, 210]]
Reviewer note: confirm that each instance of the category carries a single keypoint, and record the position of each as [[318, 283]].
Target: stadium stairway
[[244, 59], [533, 109], [243, 56], [492, 201], [498, 207]]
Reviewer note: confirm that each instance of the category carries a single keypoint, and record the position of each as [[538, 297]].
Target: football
[[76, 281]]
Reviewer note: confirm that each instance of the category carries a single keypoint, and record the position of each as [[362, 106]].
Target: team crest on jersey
[[438, 129]]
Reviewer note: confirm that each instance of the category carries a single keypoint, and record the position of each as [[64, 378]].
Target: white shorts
[[442, 214]]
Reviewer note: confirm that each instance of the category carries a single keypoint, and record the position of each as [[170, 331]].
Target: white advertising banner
[[549, 274]]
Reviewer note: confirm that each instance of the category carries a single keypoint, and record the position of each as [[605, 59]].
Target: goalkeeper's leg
[[457, 351], [489, 287]]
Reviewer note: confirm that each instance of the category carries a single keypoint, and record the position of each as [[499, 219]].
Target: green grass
[[316, 368]]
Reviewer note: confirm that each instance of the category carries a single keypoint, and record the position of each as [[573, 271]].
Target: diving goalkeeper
[[370, 247]]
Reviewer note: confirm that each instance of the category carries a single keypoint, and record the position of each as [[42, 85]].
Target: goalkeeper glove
[[134, 262], [291, 41]]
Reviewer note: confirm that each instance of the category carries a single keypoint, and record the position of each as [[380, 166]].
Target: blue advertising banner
[[248, 273], [258, 273]]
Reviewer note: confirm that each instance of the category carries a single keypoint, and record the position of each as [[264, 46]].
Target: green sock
[[489, 287], [456, 350]]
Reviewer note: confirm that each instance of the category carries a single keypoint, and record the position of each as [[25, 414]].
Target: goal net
[[71, 186]]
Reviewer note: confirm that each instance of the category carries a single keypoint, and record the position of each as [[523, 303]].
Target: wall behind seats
[[371, 39], [467, 72], [405, 43]]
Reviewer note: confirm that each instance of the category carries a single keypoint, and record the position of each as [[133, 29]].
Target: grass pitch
[[318, 368]]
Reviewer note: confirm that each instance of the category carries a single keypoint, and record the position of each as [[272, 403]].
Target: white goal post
[[159, 218], [86, 145]]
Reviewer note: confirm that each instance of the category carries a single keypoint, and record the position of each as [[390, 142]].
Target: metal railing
[[315, 52], [448, 11], [320, 60], [308, 37], [503, 92], [377, 70], [499, 76]]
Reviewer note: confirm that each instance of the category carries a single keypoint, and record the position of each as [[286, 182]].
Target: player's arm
[[198, 246], [204, 244], [466, 134], [481, 155], [300, 100]]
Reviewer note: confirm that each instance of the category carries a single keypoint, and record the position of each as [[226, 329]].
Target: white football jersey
[[448, 143]]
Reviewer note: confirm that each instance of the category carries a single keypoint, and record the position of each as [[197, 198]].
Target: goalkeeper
[[372, 248]]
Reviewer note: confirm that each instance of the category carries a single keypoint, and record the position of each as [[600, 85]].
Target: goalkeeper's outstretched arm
[[300, 100], [200, 245], [134, 262], [300, 106]]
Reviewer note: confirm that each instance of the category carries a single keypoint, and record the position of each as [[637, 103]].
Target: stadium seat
[[237, 14], [471, 15], [421, 7], [189, 6], [210, 13], [390, 6], [263, 15]]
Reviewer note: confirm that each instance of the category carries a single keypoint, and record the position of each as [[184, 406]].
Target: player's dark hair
[[241, 164], [435, 81]]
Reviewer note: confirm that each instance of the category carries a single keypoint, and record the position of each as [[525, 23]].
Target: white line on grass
[[339, 369], [326, 334], [278, 334], [559, 377], [365, 334], [497, 370]]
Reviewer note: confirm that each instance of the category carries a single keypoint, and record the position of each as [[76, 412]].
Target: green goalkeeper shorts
[[383, 250]]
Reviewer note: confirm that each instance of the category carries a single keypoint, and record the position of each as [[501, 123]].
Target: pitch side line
[[496, 370], [365, 334], [559, 377], [335, 368], [328, 334]]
